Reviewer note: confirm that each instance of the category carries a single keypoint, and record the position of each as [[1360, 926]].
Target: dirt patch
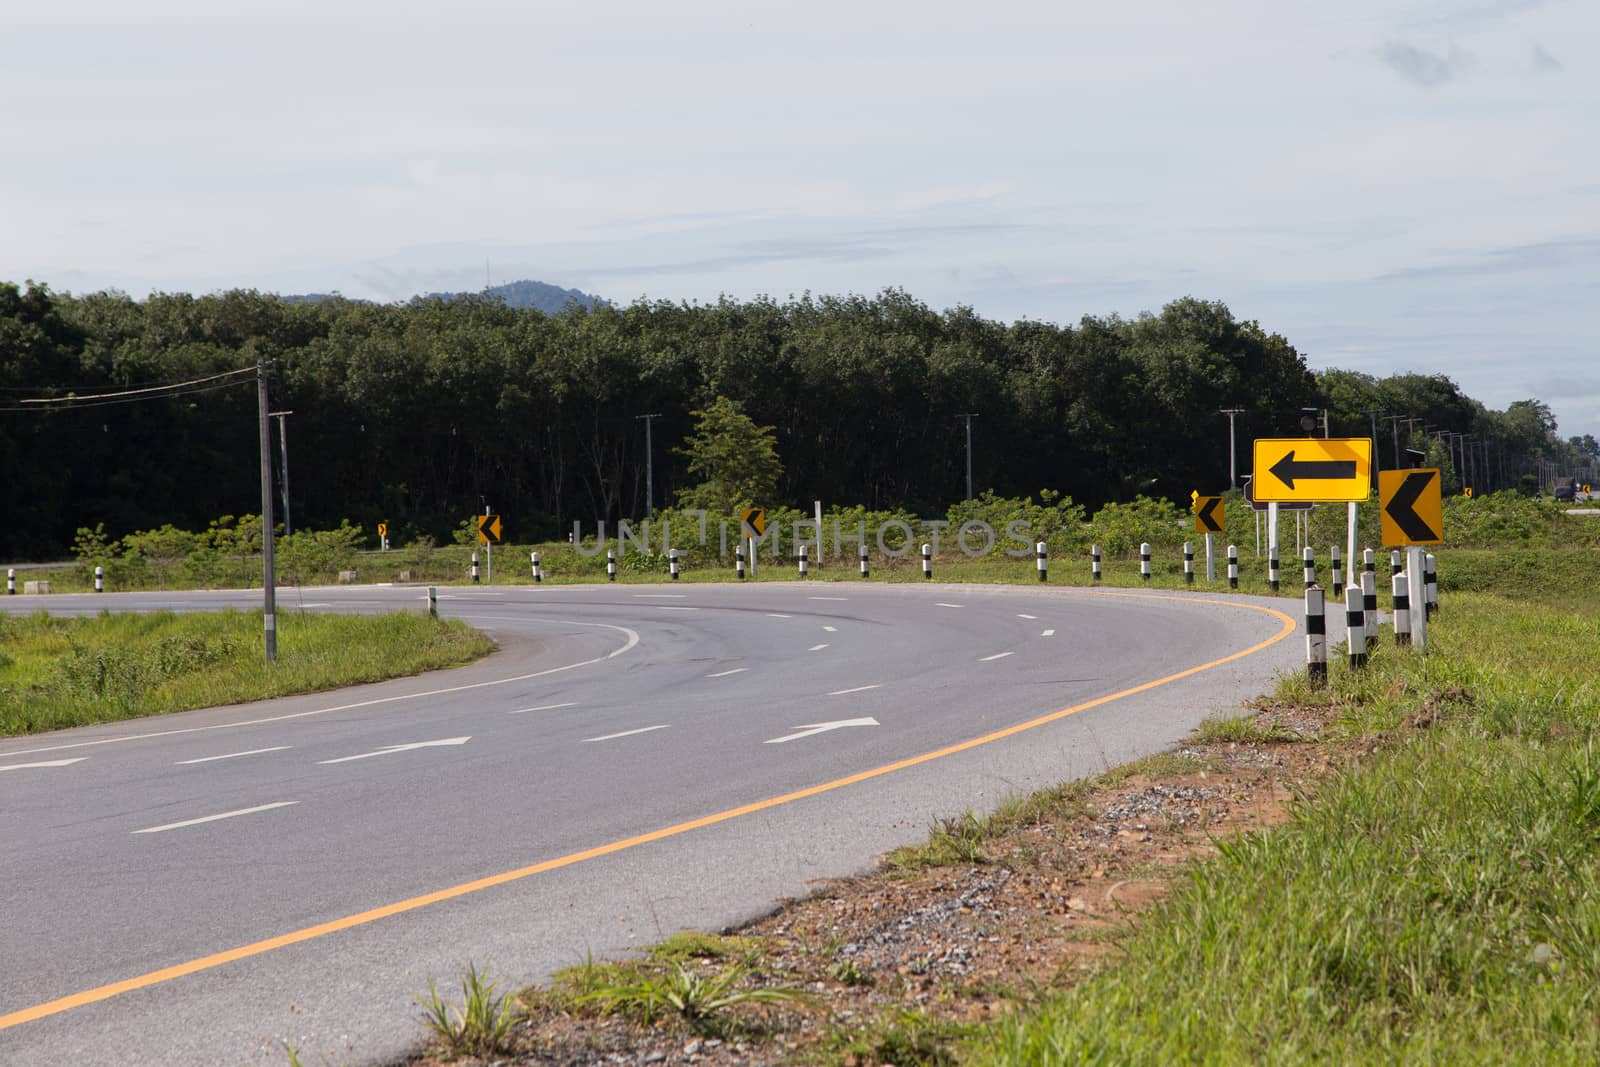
[[899, 963]]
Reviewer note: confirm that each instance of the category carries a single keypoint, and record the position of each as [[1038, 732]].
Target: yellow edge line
[[218, 959]]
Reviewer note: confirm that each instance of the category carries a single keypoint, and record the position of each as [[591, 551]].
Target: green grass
[[481, 1025], [1438, 903], [58, 672]]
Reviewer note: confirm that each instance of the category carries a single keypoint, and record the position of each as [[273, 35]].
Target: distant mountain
[[524, 294], [529, 294]]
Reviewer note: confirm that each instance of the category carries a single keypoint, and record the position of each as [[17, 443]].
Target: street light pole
[[283, 448], [1233, 460], [649, 467], [269, 581], [969, 416]]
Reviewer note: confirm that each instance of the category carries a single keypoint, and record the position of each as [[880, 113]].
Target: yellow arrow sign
[[1290, 469], [488, 528], [1209, 514], [753, 521], [1412, 508]]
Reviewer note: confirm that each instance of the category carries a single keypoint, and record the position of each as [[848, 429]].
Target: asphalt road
[[204, 888]]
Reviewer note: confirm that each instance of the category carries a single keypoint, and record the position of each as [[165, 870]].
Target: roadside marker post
[[1419, 614], [1188, 563], [864, 569], [538, 573], [99, 579], [1338, 574], [1233, 566], [1402, 608], [433, 602], [927, 560], [1094, 564], [1355, 628], [474, 567], [1144, 560], [672, 563], [1041, 555], [1308, 559], [1431, 581], [1316, 637], [804, 553], [738, 559], [1369, 604], [611, 564], [1395, 566], [11, 581]]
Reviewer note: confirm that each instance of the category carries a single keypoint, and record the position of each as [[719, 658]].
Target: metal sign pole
[[1211, 562]]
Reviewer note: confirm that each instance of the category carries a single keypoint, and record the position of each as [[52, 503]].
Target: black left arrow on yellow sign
[[1413, 511], [1209, 515], [488, 529]]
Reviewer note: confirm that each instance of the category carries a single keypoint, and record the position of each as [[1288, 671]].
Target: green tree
[[736, 460]]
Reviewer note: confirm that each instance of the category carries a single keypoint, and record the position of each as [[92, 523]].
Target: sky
[[1393, 185]]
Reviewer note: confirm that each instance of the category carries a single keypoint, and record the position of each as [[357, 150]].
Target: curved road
[[206, 887]]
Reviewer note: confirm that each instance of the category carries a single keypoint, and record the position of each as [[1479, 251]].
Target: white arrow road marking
[[1020, 615], [724, 674], [831, 629], [997, 655], [816, 648], [947, 605], [544, 707], [389, 750], [1047, 633], [820, 728], [214, 818], [857, 689], [233, 755], [627, 733], [45, 763]]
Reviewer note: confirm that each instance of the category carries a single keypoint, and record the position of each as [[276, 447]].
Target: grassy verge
[[58, 672], [1438, 904]]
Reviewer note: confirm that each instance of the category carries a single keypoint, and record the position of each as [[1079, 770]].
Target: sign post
[[488, 533], [752, 525]]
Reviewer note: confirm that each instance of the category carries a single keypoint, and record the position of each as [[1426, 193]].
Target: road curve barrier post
[[738, 561], [1402, 608], [672, 563], [1355, 628], [1369, 604], [1094, 564], [1316, 637], [533, 560], [1308, 563], [474, 566], [864, 568], [99, 579], [1188, 563], [1144, 560], [1369, 561], [611, 564], [1396, 565], [1041, 556], [804, 560], [1430, 582], [11, 581], [1272, 570], [1338, 574], [927, 560], [433, 602], [1233, 566]]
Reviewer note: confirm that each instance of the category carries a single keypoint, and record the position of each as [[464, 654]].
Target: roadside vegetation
[[57, 672]]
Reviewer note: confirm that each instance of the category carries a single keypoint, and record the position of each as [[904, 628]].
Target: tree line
[[420, 414]]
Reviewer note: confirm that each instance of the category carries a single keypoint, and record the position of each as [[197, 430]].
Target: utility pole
[[649, 466], [269, 581], [969, 416], [1233, 457], [283, 448]]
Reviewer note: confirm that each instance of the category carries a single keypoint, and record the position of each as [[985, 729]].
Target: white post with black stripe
[[1144, 560], [538, 571], [927, 561], [99, 579], [1431, 582], [1316, 637], [1094, 564], [433, 602], [1041, 556], [1395, 564], [1233, 566], [1419, 614], [738, 559], [1272, 569], [1338, 574], [1188, 563], [865, 570], [1369, 603], [1308, 563], [804, 559], [1355, 627], [611, 564], [474, 566], [673, 566], [11, 581], [1402, 608]]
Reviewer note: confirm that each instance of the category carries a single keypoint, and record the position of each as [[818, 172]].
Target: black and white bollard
[[1233, 566], [927, 560], [1369, 603], [1338, 574], [864, 569], [1308, 561], [1316, 637], [738, 561], [538, 571], [804, 553], [611, 564], [474, 566], [1430, 581], [1188, 563], [1272, 571], [1369, 561], [433, 602], [1041, 556], [1094, 564], [99, 579], [1144, 560], [672, 563], [11, 581], [1355, 628], [1402, 608], [1396, 562]]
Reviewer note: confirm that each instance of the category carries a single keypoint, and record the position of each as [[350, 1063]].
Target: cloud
[[1424, 68], [1544, 61], [1581, 253]]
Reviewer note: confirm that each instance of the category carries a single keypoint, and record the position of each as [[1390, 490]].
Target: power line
[[135, 392], [193, 387]]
